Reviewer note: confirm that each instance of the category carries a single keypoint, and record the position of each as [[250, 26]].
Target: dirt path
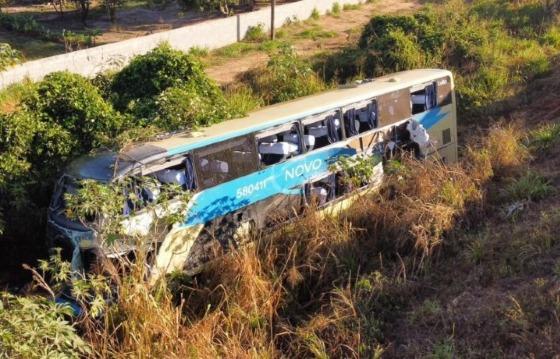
[[341, 31]]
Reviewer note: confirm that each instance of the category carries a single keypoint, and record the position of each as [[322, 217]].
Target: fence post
[[238, 27]]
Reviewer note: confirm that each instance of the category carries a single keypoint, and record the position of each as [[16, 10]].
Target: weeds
[[530, 187], [315, 14], [285, 77], [545, 138], [256, 33], [348, 7], [315, 33], [336, 9]]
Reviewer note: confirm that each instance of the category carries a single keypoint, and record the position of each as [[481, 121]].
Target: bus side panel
[[284, 178], [442, 128], [175, 249]]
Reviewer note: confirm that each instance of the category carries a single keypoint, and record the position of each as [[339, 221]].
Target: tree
[[84, 6], [59, 6], [112, 6]]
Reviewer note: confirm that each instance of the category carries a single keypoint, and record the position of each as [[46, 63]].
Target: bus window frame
[[357, 106], [323, 116], [400, 94], [203, 152], [444, 90], [422, 87], [275, 130]]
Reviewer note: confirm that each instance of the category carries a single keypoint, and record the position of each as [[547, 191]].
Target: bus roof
[[295, 109]]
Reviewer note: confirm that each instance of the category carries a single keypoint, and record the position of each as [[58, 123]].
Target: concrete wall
[[209, 34]]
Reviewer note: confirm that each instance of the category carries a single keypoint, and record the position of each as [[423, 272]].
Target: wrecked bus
[[246, 172]]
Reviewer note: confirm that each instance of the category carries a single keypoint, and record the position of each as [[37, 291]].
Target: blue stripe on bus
[[286, 178], [430, 118]]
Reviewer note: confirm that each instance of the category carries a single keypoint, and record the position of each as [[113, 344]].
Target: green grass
[[199, 51], [316, 33], [531, 186], [235, 50], [443, 350], [336, 9], [315, 14], [243, 100], [544, 138], [347, 7], [30, 47], [256, 33]]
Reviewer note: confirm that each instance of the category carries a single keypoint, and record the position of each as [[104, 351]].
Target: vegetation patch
[[285, 77]]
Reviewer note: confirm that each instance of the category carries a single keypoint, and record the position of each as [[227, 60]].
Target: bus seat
[[320, 193], [170, 176], [318, 131], [214, 166], [278, 148], [309, 142], [150, 193], [418, 134], [270, 139], [363, 116], [418, 99], [291, 138]]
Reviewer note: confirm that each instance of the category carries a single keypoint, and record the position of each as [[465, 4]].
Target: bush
[[184, 107], [209, 5], [315, 14], [285, 77], [27, 24], [256, 33], [71, 102], [8, 56], [149, 75], [242, 100], [32, 327], [335, 10]]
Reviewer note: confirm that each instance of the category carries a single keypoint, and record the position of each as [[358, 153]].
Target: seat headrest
[[278, 148]]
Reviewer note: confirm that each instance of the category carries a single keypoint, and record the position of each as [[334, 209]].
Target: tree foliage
[[33, 327], [149, 75], [8, 56], [168, 88], [71, 102], [286, 77]]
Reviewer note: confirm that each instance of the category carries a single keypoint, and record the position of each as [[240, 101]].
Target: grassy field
[[458, 261], [30, 47]]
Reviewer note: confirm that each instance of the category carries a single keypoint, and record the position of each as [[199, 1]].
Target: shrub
[[315, 14], [8, 56], [184, 107], [242, 100], [26, 24], [256, 33], [73, 104], [149, 75], [209, 5], [545, 137], [335, 10], [285, 77], [347, 7], [32, 327]]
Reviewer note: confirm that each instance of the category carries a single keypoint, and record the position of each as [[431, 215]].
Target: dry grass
[[319, 287]]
